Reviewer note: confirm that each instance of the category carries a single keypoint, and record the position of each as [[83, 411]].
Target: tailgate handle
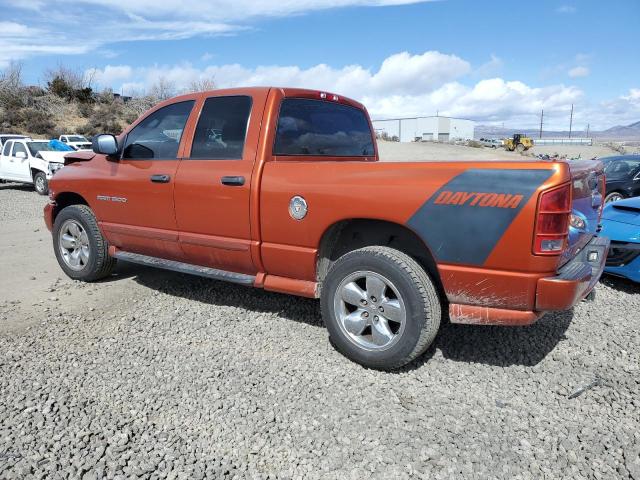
[[160, 178], [233, 181]]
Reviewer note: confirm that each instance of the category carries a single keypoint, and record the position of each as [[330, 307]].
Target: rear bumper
[[573, 282], [575, 279], [48, 215]]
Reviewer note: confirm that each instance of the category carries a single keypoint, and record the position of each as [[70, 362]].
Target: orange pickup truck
[[281, 188]]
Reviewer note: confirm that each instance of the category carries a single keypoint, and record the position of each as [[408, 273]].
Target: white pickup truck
[[30, 161], [77, 142]]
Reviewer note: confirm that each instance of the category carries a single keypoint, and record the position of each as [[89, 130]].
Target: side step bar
[[207, 272]]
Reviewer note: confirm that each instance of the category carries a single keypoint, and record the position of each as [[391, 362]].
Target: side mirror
[[21, 155], [105, 144]]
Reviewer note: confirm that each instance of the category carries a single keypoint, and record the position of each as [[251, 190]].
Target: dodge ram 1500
[[281, 188]]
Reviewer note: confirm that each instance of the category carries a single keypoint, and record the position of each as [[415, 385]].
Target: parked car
[[30, 161], [291, 197], [4, 137], [621, 223], [491, 142], [77, 142], [623, 177]]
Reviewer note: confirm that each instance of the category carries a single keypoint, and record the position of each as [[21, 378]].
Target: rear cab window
[[322, 128]]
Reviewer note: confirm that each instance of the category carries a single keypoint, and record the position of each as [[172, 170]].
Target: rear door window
[[222, 128], [322, 128], [158, 135]]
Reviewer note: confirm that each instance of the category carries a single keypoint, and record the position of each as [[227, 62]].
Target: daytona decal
[[500, 200], [466, 218]]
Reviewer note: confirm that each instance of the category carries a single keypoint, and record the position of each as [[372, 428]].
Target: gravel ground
[[153, 374], [434, 151]]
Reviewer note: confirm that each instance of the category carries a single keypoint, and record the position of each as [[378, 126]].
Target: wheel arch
[[65, 199], [34, 171], [348, 235]]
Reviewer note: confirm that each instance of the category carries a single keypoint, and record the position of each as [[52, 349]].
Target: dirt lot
[[394, 151], [152, 374]]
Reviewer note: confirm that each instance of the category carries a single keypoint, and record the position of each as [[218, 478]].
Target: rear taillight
[[552, 222]]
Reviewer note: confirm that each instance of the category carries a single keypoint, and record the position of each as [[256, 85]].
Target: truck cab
[[282, 189]]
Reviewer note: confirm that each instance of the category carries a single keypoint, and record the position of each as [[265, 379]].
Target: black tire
[[99, 264], [40, 183], [614, 197], [420, 298]]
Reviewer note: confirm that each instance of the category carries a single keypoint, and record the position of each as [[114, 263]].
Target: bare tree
[[162, 89], [201, 85], [12, 89], [75, 79]]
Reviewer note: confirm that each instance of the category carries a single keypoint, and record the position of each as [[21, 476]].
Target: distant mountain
[[624, 131], [619, 132]]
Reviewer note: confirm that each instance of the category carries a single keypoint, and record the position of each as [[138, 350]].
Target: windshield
[[621, 169], [76, 138], [4, 138], [35, 147]]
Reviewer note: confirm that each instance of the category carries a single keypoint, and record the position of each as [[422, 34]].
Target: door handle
[[233, 181], [160, 178]]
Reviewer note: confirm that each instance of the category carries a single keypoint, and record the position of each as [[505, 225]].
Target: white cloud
[[13, 29], [566, 9], [578, 71], [110, 74], [634, 95], [52, 29], [489, 68], [423, 84]]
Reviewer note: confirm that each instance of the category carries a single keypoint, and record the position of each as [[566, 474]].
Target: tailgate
[[587, 177]]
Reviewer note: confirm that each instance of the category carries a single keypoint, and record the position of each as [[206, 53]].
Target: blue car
[[621, 223]]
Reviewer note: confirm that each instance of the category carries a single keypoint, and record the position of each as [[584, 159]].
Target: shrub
[[85, 109], [104, 119], [36, 121]]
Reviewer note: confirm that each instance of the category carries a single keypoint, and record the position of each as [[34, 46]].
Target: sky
[[496, 62]]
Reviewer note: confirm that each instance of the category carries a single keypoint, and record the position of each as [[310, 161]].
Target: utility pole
[[588, 125], [541, 117], [571, 121]]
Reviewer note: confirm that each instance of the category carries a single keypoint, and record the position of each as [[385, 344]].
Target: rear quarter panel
[[477, 249]]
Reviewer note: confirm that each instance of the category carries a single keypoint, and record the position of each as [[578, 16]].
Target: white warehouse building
[[439, 129]]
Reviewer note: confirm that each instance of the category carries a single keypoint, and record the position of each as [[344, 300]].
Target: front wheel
[[380, 307], [520, 148], [40, 183], [613, 197], [80, 248]]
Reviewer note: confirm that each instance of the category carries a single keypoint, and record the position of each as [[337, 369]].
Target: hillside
[[619, 132]]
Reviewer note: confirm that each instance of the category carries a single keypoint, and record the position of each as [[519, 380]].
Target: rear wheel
[[613, 197], [520, 148], [380, 307], [40, 183], [80, 248]]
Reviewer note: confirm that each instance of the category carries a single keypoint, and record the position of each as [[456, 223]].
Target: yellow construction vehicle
[[519, 142]]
